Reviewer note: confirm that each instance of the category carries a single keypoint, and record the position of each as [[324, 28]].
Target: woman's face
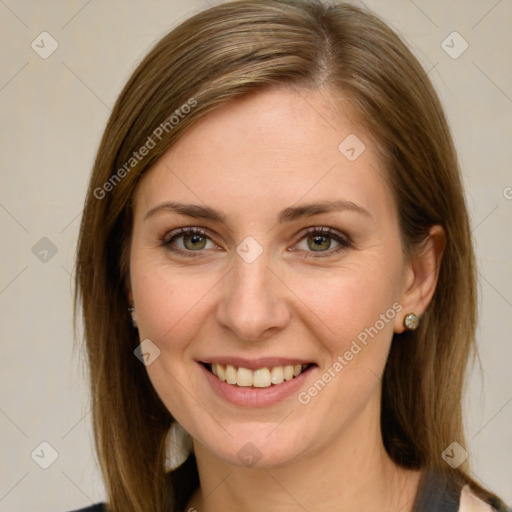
[[255, 285]]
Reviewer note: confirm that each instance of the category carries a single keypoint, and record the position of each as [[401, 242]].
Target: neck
[[353, 474]]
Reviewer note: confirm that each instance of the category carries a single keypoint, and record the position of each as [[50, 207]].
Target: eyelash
[[344, 241]]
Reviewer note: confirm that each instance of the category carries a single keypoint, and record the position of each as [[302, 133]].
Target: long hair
[[213, 57]]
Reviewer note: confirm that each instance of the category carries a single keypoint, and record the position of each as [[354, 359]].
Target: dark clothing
[[436, 494]]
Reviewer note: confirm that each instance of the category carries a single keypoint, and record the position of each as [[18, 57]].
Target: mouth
[[264, 377]]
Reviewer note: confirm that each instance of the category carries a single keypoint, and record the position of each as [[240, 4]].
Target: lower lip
[[256, 397]]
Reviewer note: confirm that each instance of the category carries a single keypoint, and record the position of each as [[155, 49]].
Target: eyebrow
[[287, 215]]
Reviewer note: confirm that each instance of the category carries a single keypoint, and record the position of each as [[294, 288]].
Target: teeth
[[244, 377], [277, 375], [288, 372], [260, 378], [231, 374]]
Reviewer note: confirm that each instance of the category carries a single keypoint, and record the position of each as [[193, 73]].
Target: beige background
[[53, 113]]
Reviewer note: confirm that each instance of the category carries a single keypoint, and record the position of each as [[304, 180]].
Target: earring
[[134, 319], [411, 321], [179, 446]]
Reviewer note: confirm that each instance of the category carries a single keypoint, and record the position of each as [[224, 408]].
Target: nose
[[253, 303]]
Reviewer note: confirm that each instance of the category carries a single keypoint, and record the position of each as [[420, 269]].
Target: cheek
[[351, 302], [339, 304], [171, 308], [352, 314], [169, 303]]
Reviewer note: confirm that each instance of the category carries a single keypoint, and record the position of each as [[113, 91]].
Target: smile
[[256, 383], [259, 378]]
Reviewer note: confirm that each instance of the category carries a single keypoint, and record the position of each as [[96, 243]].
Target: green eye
[[187, 240], [194, 241], [316, 242], [319, 242]]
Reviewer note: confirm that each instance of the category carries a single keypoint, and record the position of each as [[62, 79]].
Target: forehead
[[269, 150]]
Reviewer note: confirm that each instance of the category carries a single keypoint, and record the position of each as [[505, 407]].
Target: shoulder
[[470, 502], [98, 507]]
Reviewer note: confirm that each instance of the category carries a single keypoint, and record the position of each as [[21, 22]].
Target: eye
[[187, 240], [316, 242], [320, 240]]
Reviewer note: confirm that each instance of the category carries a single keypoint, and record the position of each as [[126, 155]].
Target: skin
[[250, 159]]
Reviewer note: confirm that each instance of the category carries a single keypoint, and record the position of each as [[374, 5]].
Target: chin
[[256, 446]]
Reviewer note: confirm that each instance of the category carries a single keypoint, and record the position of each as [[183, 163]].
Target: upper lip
[[254, 364]]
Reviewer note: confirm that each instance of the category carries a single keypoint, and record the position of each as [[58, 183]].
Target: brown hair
[[211, 58]]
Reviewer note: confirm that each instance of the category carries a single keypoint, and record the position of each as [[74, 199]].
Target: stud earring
[[134, 319], [411, 321]]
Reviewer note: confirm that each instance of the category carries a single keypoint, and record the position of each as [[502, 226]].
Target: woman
[[275, 264]]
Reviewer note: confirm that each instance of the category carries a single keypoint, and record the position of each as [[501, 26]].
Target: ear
[[421, 275]]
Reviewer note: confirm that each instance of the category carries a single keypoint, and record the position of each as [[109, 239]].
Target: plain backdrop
[[53, 112]]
